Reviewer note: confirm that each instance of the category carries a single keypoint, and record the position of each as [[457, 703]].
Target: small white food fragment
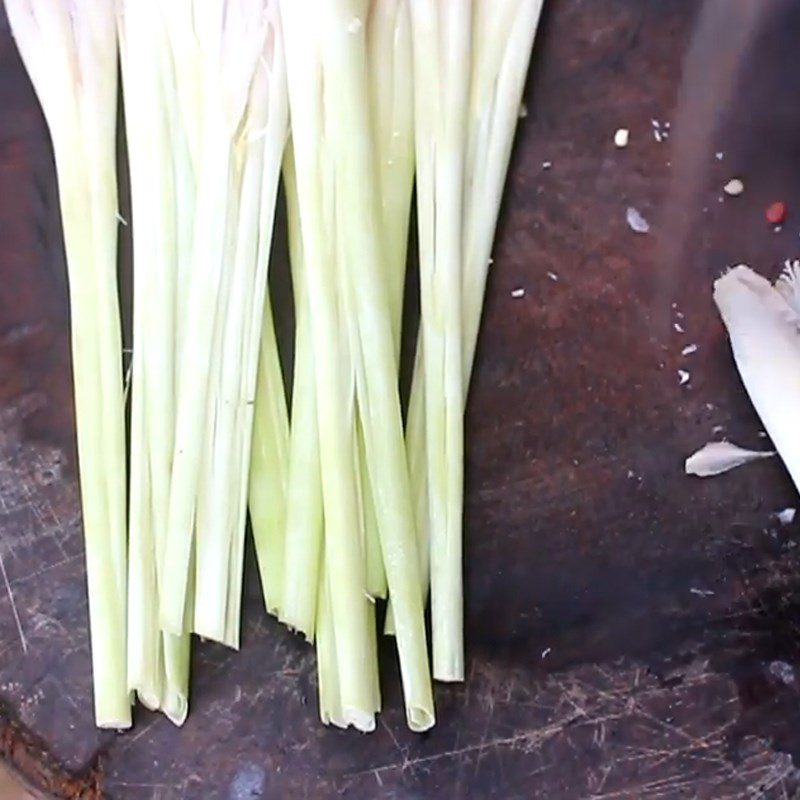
[[678, 327], [786, 516], [552, 276], [733, 187], [689, 349], [518, 293], [719, 155], [683, 377], [622, 137], [715, 458], [636, 222], [547, 164]]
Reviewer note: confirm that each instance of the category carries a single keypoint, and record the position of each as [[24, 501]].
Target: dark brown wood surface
[[632, 633]]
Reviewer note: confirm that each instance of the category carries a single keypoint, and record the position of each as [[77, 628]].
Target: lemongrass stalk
[[269, 468], [762, 322], [185, 116], [259, 152], [150, 192], [147, 74], [329, 696], [392, 102], [302, 30], [503, 43], [145, 668], [503, 35], [376, 585], [260, 348], [392, 106], [177, 649], [442, 39], [212, 544], [346, 70], [231, 39], [70, 53], [353, 364], [219, 491], [303, 540]]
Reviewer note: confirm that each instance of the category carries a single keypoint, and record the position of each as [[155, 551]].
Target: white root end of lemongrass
[[762, 323], [715, 458]]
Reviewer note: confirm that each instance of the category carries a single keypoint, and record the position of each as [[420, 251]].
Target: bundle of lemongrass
[[353, 100]]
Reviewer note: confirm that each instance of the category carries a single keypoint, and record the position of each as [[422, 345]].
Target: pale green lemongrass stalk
[[442, 33], [206, 535], [303, 27], [152, 207], [269, 467], [303, 540], [260, 356], [145, 667], [357, 192], [70, 52], [503, 42], [352, 364], [187, 66], [392, 103], [259, 152], [503, 35], [392, 107], [763, 322], [231, 37], [160, 179], [185, 73], [329, 696], [180, 80]]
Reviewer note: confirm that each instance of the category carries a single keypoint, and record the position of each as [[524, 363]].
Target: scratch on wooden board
[[14, 610]]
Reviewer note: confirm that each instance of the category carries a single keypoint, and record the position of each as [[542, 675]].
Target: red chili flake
[[776, 213]]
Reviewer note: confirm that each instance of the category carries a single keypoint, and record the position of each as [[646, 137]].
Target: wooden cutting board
[[632, 633]]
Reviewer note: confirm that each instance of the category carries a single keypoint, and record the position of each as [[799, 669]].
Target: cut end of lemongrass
[[151, 701], [176, 709], [362, 721], [420, 720], [716, 458], [120, 723]]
